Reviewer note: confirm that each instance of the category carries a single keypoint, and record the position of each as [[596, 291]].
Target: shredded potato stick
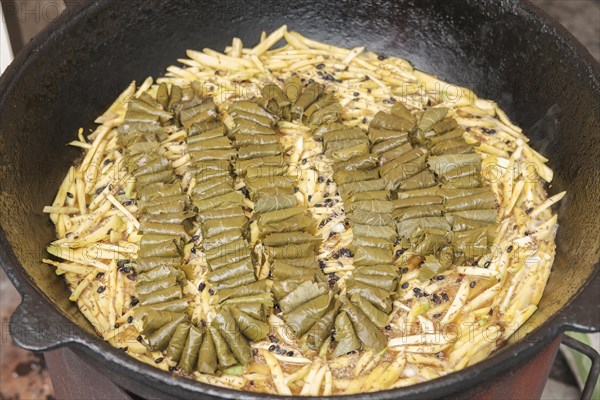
[[276, 373]]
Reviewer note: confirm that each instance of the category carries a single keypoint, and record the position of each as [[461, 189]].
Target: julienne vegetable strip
[[217, 198]]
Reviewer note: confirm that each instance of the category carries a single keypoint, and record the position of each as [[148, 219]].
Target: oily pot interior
[[82, 67]]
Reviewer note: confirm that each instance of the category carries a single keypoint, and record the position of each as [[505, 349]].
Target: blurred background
[[23, 375]]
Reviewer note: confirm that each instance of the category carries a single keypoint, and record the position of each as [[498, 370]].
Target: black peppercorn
[[202, 286], [101, 289], [404, 285], [129, 319]]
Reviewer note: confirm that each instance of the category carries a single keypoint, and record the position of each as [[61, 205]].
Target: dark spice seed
[[445, 296], [107, 161], [195, 238], [304, 161], [126, 270], [399, 252], [309, 197], [193, 250], [388, 327], [211, 292], [356, 94], [529, 210], [101, 289], [252, 382], [296, 190], [159, 360], [381, 58], [436, 298], [335, 256], [245, 192], [440, 278], [273, 339], [254, 353], [172, 369], [290, 353], [321, 179], [281, 352], [272, 347], [509, 249], [364, 120], [116, 326], [99, 275], [405, 270], [320, 66], [437, 315], [404, 285], [345, 252], [70, 195], [131, 277], [472, 284], [100, 190], [202, 286], [134, 301], [140, 339], [324, 222], [487, 264], [129, 319]]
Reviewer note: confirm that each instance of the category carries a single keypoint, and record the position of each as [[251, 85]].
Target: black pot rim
[[33, 300]]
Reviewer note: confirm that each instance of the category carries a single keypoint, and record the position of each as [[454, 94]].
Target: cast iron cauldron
[[504, 50]]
